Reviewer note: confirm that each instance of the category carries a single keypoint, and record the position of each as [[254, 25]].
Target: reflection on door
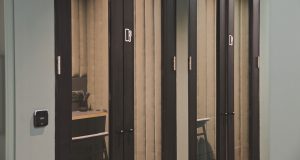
[[90, 80], [241, 80], [206, 80]]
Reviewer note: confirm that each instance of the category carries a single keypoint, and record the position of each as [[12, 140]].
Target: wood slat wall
[[241, 78], [148, 79], [90, 48], [206, 76]]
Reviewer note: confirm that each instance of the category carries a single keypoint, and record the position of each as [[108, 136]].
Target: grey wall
[[284, 87], [264, 81], [2, 79], [35, 77]]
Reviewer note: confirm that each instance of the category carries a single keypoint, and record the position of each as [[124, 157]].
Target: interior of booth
[[206, 80], [90, 79]]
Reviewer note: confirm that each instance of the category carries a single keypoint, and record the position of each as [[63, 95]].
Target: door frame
[[192, 79], [224, 68], [254, 93], [225, 80], [168, 75], [63, 87], [118, 87]]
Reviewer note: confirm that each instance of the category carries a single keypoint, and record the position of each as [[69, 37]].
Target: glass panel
[[2, 85], [147, 81], [206, 80], [241, 85], [182, 26], [90, 80]]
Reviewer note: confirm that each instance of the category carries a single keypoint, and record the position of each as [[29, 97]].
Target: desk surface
[[77, 115]]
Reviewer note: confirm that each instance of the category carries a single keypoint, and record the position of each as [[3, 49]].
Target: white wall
[[284, 87], [34, 77]]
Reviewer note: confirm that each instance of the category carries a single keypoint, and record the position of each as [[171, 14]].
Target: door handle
[[121, 131], [90, 136], [128, 35], [126, 131], [131, 130]]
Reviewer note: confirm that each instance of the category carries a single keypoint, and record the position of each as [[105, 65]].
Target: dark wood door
[[192, 78], [121, 88], [225, 134], [225, 80], [169, 135]]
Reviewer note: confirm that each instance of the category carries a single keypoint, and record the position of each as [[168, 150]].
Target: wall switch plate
[[40, 118]]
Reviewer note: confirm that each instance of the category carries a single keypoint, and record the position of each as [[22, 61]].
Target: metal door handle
[[121, 131], [90, 136], [128, 35]]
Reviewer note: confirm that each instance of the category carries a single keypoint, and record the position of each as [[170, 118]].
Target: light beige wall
[[90, 48], [182, 12], [206, 75], [147, 79], [241, 76]]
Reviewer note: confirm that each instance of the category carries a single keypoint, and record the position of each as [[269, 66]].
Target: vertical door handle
[[58, 65], [174, 63], [128, 35], [121, 131], [231, 40], [190, 63]]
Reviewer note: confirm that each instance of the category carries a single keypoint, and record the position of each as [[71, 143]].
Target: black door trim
[[128, 82], [169, 128], [63, 87], [116, 82], [192, 79], [223, 79], [254, 52]]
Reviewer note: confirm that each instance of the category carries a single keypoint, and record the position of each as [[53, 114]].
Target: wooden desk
[[77, 115]]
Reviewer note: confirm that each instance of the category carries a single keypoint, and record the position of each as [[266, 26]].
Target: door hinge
[[231, 40], [58, 65], [174, 63], [258, 62], [190, 63], [128, 35]]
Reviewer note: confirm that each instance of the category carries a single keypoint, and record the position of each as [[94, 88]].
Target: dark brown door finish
[[121, 75], [225, 80], [169, 136]]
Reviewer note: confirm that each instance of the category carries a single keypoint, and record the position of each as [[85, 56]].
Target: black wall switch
[[40, 118]]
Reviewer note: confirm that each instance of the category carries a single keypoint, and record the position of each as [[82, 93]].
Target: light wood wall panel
[[75, 39], [90, 48], [241, 76], [206, 76], [148, 79]]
